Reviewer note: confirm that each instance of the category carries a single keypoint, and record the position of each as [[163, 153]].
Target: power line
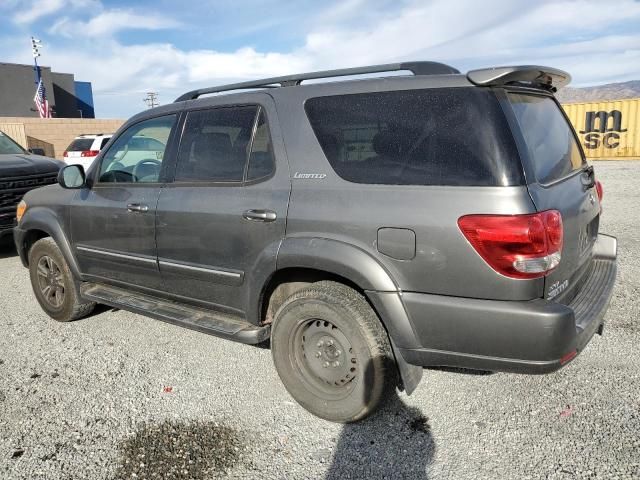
[[151, 99]]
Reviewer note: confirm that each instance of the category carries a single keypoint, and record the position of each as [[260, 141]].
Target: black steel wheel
[[332, 353], [324, 357]]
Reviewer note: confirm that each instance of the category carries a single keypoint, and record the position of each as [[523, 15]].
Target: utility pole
[[151, 99]]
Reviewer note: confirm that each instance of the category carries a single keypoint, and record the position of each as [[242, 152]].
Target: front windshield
[[8, 146]]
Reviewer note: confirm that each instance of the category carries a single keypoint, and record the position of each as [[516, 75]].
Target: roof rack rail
[[417, 68]]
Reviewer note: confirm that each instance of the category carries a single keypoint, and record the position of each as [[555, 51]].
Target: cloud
[[110, 22], [595, 45], [37, 9]]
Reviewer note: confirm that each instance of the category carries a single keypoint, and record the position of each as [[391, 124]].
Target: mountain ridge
[[606, 92]]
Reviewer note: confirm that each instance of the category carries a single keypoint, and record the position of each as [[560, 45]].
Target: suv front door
[[113, 221], [221, 221]]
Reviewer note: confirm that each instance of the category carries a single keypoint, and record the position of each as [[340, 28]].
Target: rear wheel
[[332, 353], [53, 283]]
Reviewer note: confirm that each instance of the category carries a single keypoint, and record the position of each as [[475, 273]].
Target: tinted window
[[552, 146], [137, 154], [456, 136], [261, 159], [80, 145], [104, 142], [215, 143]]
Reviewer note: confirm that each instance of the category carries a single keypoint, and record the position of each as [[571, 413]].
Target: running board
[[220, 324]]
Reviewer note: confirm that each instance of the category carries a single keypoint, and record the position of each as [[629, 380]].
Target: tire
[[53, 283], [332, 353]]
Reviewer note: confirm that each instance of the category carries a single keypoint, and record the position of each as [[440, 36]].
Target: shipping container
[[608, 130]]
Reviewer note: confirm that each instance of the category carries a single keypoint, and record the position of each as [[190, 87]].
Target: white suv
[[84, 149]]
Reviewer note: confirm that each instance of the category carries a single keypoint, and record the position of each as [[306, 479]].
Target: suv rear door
[[558, 178], [221, 221]]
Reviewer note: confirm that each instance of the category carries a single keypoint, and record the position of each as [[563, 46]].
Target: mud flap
[[410, 375]]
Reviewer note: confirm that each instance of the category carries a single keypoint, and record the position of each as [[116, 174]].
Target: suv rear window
[[553, 149], [444, 136], [80, 145]]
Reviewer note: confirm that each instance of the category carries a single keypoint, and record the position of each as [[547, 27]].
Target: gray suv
[[368, 228]]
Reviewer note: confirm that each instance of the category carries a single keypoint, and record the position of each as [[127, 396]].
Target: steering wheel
[[139, 166], [119, 176], [116, 166]]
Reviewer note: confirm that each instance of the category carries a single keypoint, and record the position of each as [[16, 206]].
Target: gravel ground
[[118, 395]]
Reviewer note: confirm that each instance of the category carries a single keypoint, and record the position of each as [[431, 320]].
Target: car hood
[[24, 165]]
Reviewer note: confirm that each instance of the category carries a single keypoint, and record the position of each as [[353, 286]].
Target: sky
[[171, 46]]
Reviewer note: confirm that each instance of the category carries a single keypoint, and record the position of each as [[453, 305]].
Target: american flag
[[42, 104]]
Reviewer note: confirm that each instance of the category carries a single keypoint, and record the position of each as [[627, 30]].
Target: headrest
[[212, 144], [387, 143]]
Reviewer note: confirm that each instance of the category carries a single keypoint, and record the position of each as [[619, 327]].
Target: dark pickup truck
[[20, 171]]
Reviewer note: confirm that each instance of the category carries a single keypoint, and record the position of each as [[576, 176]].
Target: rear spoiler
[[546, 78]]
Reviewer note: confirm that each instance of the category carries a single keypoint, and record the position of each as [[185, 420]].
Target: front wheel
[[53, 283], [332, 353]]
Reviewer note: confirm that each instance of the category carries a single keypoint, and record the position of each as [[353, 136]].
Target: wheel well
[[31, 237], [287, 281]]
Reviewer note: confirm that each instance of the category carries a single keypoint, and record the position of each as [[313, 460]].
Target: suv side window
[[137, 154], [104, 142], [440, 136], [261, 162], [215, 144]]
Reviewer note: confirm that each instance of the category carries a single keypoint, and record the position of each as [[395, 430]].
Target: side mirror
[[37, 151], [72, 176]]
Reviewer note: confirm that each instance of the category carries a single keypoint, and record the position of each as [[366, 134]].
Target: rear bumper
[[526, 337]]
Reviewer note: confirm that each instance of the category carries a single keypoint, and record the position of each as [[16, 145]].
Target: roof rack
[[417, 68]]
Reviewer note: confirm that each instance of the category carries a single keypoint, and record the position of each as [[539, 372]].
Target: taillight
[[65, 154], [517, 246], [89, 153], [599, 190]]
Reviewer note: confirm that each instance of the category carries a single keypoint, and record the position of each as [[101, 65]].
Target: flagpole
[[35, 49], [36, 69], [36, 53]]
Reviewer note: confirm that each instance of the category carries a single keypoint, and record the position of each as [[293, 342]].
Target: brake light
[[599, 190], [89, 153], [65, 154], [517, 246]]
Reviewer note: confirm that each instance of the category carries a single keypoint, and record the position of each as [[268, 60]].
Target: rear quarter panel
[[330, 207]]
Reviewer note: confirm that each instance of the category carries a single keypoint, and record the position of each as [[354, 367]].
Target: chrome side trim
[[212, 271], [116, 255]]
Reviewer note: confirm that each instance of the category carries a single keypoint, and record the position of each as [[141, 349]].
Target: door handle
[[260, 215], [137, 207]]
